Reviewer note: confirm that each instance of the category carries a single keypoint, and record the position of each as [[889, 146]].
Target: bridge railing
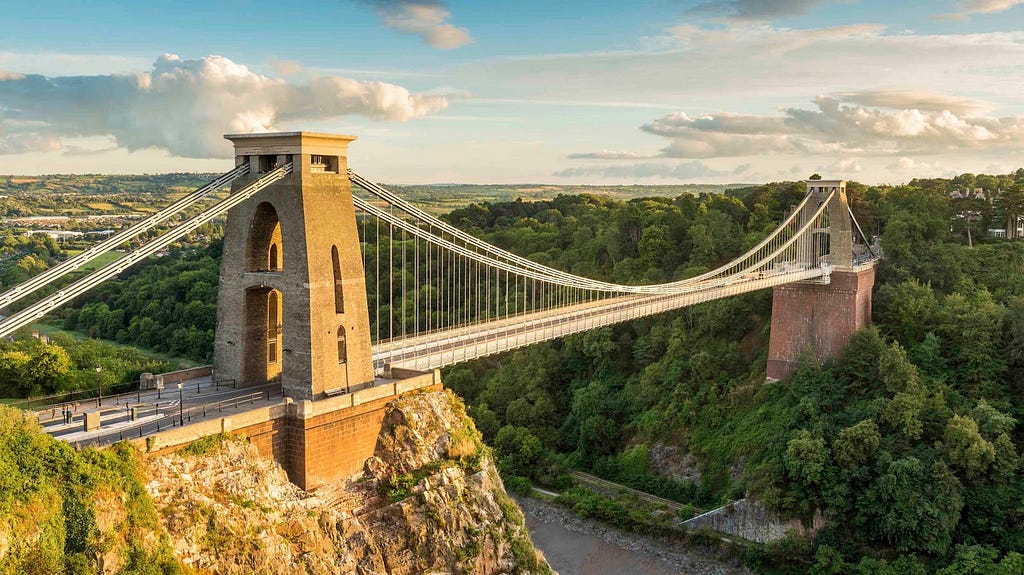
[[171, 415], [114, 391]]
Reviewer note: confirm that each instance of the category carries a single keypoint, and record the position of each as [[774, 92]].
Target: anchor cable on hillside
[[75, 262], [37, 310]]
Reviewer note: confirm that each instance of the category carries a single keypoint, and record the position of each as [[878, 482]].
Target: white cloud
[[59, 64], [427, 19], [733, 66], [910, 165], [768, 41], [833, 127], [917, 99], [185, 106], [844, 166], [287, 67], [21, 143]]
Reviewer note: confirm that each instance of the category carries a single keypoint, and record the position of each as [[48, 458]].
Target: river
[[575, 546]]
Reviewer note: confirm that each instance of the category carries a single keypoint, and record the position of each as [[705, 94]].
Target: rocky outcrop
[[677, 463], [429, 501], [674, 463]]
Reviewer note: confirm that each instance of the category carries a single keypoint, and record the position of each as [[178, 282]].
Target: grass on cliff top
[[48, 502], [210, 443]]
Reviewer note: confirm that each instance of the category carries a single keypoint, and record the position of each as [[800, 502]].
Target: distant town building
[[1001, 232], [975, 194]]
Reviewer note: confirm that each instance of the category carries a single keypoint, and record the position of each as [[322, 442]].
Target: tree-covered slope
[[908, 442]]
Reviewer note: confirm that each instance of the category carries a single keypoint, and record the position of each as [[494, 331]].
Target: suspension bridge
[[331, 284]]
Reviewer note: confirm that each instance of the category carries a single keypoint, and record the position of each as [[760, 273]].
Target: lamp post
[[99, 387], [181, 413]]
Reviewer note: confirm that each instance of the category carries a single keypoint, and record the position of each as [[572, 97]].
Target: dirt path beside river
[[575, 546]]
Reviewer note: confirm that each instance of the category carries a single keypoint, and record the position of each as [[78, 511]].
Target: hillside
[[908, 443], [217, 507]]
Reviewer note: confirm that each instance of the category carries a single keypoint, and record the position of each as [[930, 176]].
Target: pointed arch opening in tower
[[264, 346], [274, 261], [342, 345], [273, 326], [265, 243], [339, 291]]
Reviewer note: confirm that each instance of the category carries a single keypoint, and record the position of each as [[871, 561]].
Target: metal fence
[[174, 416], [116, 391]]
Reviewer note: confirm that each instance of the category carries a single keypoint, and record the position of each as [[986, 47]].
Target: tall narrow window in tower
[[342, 346], [274, 265], [273, 325], [339, 294]]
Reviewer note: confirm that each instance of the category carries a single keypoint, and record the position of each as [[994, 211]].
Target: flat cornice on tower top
[[826, 183], [267, 143]]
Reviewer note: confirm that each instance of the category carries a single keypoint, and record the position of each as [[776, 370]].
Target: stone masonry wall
[[816, 318], [321, 448], [316, 442], [750, 520]]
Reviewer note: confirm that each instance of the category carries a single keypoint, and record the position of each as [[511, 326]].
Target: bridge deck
[[448, 347]]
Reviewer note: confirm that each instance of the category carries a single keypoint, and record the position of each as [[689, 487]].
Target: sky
[[556, 92]]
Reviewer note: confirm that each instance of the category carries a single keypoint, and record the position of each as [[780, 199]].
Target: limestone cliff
[[429, 501]]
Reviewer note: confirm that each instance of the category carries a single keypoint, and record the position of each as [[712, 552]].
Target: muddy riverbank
[[575, 546]]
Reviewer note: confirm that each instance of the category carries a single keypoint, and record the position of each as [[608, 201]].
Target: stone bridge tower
[[292, 297], [816, 318]]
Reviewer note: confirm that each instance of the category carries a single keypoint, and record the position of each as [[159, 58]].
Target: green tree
[[1010, 205], [857, 444], [806, 458], [966, 449], [991, 421], [912, 507], [906, 309], [13, 373], [983, 560], [520, 451], [1007, 461]]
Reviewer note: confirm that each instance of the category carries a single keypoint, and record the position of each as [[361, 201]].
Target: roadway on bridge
[[448, 347]]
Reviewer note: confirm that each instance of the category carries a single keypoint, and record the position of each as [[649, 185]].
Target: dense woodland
[[22, 257], [909, 443], [169, 305]]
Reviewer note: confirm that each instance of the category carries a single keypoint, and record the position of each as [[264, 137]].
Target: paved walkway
[[155, 410]]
